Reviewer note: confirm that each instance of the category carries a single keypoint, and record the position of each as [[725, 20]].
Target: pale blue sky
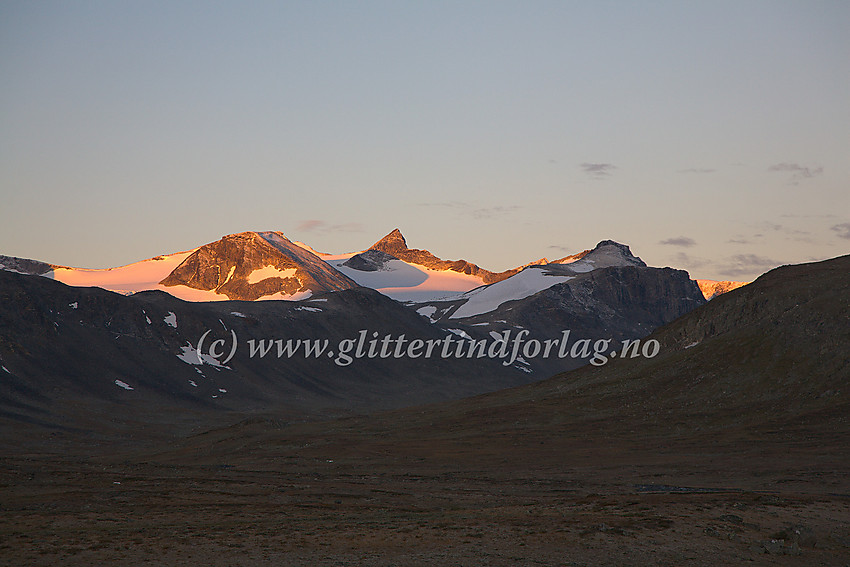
[[710, 136]]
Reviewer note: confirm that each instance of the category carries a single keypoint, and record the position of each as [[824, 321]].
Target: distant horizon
[[710, 137], [348, 252]]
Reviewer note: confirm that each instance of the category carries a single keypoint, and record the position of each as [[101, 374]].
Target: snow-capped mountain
[[255, 265], [267, 265], [406, 274], [529, 281], [152, 340]]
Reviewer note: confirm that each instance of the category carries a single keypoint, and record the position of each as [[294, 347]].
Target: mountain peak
[[391, 243], [615, 253]]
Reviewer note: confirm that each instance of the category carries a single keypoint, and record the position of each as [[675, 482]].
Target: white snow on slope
[[427, 311], [269, 272], [135, 277], [190, 355], [519, 286], [124, 385], [408, 282], [170, 319]]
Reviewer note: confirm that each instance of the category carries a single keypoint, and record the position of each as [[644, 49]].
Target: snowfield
[[531, 280]]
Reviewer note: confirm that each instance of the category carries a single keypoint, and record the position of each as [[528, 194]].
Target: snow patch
[[192, 383], [229, 275], [6, 369], [237, 314], [305, 308], [693, 344], [170, 319], [122, 384], [190, 355], [266, 272], [461, 333], [73, 305], [427, 311]]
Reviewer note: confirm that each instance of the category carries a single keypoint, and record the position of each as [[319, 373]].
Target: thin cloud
[[696, 170], [598, 170], [747, 265], [781, 228], [796, 216], [842, 229], [490, 212], [739, 240], [798, 172], [469, 209], [687, 261], [446, 204], [679, 241], [315, 225]]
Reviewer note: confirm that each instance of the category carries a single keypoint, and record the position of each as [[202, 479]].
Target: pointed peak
[[393, 242]]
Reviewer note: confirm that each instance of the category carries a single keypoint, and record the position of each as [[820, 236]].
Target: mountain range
[[139, 341], [267, 265], [728, 447]]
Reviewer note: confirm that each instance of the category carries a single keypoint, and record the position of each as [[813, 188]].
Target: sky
[[708, 136]]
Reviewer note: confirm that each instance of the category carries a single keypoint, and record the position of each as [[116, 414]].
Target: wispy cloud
[[696, 170], [790, 232], [679, 241], [842, 229], [490, 212], [470, 209], [798, 172], [598, 170], [747, 265], [685, 260], [739, 240], [446, 204], [316, 225], [798, 216]]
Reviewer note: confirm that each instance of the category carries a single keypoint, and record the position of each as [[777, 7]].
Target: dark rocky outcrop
[[395, 245], [369, 261], [24, 266]]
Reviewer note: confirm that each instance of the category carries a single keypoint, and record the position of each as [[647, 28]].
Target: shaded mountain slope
[[768, 363], [87, 358]]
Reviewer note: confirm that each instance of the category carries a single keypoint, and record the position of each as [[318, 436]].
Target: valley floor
[[341, 500]]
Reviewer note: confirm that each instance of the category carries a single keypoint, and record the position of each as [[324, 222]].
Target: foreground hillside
[[729, 447]]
